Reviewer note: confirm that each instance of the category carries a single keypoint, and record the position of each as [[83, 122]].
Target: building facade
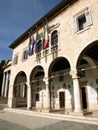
[[55, 62], [6, 81]]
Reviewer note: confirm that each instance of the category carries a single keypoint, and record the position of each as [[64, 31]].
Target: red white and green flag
[[46, 42]]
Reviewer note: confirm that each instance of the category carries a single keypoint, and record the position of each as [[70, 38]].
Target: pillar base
[[29, 108], [81, 113], [13, 103], [47, 110]]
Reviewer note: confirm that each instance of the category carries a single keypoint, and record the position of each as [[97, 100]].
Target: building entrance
[[83, 95], [62, 99]]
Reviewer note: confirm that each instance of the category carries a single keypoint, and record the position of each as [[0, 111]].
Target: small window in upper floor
[[54, 37], [15, 61], [82, 21], [54, 41], [25, 55]]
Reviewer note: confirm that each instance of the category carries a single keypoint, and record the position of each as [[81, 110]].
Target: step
[[83, 119]]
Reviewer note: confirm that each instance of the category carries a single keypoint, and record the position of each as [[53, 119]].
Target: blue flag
[[30, 47], [36, 41]]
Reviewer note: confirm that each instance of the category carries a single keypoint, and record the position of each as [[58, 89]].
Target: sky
[[16, 16]]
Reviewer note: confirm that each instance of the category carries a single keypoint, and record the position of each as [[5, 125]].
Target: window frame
[[15, 60], [25, 55], [87, 14], [54, 36]]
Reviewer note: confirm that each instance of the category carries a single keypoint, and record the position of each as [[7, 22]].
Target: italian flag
[[46, 42]]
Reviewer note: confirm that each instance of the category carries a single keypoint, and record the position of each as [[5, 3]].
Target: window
[[54, 41], [82, 21], [37, 97], [15, 61], [54, 37], [25, 55]]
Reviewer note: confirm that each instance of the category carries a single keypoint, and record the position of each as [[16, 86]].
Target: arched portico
[[61, 89], [87, 68], [20, 89], [37, 87]]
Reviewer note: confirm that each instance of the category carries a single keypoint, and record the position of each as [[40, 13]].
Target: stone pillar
[[12, 99], [23, 95], [47, 94], [29, 99], [6, 85], [76, 87], [3, 85]]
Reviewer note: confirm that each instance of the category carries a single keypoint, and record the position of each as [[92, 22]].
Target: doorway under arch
[[61, 90], [87, 66]]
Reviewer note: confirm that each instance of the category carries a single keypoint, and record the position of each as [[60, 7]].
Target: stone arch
[[37, 87], [87, 67], [20, 89], [60, 84], [86, 52]]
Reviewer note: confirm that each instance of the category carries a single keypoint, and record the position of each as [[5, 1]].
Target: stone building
[[6, 81], [64, 73]]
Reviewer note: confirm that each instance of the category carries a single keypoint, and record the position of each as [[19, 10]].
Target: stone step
[[83, 119]]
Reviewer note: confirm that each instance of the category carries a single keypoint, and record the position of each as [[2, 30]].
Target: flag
[[30, 47], [46, 42], [36, 41], [32, 42], [43, 37]]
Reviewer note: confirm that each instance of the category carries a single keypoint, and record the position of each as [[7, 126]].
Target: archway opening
[[38, 87], [60, 84], [20, 89], [87, 67]]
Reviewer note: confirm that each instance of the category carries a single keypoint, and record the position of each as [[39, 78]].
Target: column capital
[[74, 74]]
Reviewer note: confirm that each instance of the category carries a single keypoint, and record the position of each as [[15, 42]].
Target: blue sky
[[16, 16]]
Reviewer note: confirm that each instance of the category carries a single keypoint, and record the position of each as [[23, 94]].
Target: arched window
[[54, 37], [54, 40]]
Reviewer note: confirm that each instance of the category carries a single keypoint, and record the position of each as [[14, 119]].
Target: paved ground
[[15, 121]]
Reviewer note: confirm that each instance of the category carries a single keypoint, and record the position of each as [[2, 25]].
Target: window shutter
[[88, 18], [76, 25], [27, 54], [22, 58]]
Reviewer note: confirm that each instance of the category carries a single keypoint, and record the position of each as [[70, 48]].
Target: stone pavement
[[20, 121]]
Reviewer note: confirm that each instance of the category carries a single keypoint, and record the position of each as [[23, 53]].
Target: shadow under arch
[[20, 89], [37, 87], [59, 81], [88, 51], [87, 67]]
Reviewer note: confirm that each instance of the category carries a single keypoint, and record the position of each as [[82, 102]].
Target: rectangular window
[[37, 97], [25, 55], [82, 21], [15, 61]]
